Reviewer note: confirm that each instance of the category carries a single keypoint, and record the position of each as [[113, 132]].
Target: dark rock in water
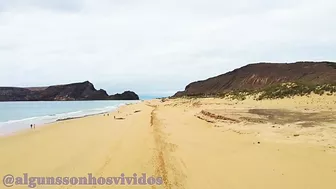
[[74, 91], [65, 119], [261, 75]]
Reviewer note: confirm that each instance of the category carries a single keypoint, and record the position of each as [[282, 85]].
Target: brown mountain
[[261, 75], [74, 91]]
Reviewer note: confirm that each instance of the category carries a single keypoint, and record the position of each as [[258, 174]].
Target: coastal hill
[[260, 76], [68, 92]]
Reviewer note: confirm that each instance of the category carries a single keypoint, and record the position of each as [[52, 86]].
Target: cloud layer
[[153, 47]]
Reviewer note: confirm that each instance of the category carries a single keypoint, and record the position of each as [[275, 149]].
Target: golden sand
[[241, 145]]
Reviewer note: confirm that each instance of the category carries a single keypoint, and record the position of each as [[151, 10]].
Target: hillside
[[74, 91], [263, 75]]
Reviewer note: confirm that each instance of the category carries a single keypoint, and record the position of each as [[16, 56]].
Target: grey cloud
[[156, 47]]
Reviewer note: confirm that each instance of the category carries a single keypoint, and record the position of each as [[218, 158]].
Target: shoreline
[[71, 118], [42, 126], [46, 120], [38, 127]]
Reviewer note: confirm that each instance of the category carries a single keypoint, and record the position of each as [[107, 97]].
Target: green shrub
[[295, 89], [283, 90]]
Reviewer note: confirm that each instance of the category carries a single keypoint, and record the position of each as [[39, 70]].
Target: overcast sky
[[156, 47]]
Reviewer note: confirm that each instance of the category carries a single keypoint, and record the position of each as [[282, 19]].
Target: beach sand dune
[[169, 140]]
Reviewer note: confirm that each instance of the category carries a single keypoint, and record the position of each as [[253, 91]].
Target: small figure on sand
[[34, 126], [31, 126]]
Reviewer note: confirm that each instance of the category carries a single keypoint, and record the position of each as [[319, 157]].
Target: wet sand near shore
[[190, 143]]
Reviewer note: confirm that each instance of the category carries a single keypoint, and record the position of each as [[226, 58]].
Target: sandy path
[[169, 142]]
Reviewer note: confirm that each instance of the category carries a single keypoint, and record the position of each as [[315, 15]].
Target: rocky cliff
[[124, 96], [261, 75], [74, 91]]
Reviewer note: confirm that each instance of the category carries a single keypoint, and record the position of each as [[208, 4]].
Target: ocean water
[[16, 116]]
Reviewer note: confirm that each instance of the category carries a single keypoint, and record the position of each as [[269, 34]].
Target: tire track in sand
[[165, 164]]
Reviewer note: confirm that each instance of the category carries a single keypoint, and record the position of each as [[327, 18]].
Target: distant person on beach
[[31, 126], [34, 126]]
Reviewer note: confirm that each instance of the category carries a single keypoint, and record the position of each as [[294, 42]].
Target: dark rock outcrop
[[262, 75], [124, 96], [74, 91]]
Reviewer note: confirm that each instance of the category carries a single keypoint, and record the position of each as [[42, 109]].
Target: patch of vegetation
[[332, 64], [238, 95], [285, 90]]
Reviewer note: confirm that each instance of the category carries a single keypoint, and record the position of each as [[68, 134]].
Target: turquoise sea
[[15, 116]]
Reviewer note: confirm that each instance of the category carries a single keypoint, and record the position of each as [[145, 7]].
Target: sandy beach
[[190, 143]]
